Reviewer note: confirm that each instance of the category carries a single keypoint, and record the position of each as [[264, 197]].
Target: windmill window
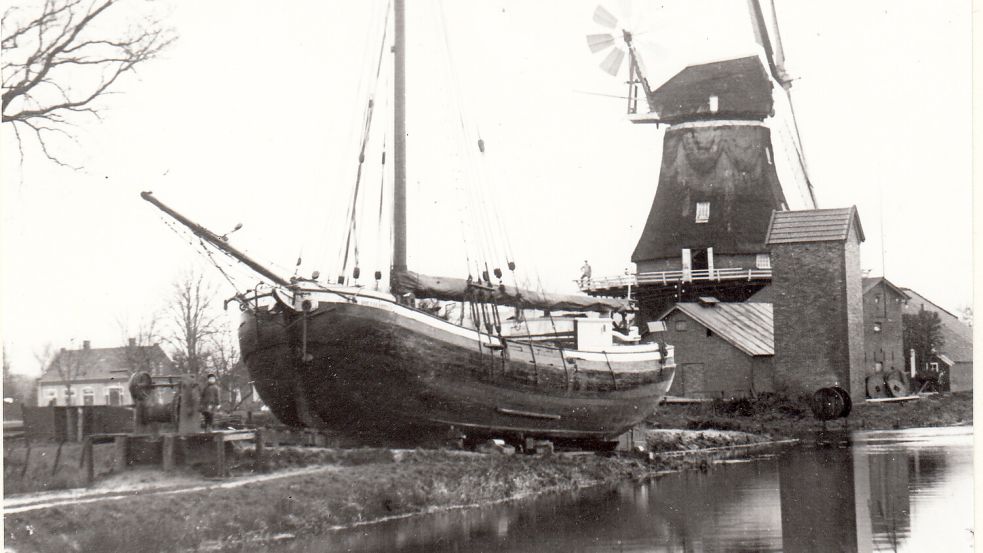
[[702, 212], [714, 104], [877, 327], [681, 326], [768, 155], [762, 261]]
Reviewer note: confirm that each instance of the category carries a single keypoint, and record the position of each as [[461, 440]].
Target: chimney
[[86, 344], [133, 342]]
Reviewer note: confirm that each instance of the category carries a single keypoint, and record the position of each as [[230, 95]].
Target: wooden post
[[219, 442], [260, 451], [88, 462], [120, 460], [167, 452]]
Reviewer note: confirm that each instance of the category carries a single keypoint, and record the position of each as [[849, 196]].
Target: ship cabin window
[[680, 326], [702, 212], [877, 327], [762, 261]]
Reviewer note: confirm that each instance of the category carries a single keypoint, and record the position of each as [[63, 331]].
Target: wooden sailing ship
[[377, 366]]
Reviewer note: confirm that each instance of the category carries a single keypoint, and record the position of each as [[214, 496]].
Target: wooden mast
[[399, 139]]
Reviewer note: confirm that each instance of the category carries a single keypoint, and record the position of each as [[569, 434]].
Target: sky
[[254, 116]]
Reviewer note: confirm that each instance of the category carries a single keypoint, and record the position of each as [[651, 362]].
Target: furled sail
[[459, 289]]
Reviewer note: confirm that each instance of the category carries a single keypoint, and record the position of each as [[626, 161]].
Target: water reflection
[[891, 491]]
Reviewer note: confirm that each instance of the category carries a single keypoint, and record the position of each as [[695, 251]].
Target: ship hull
[[376, 371]]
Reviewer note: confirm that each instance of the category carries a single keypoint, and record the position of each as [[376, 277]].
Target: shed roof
[[105, 363], [749, 327], [813, 225], [958, 335]]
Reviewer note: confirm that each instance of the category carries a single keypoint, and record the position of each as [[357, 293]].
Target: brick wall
[[883, 308], [818, 312], [710, 367]]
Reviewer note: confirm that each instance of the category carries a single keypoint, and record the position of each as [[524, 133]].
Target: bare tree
[[68, 364], [224, 363], [139, 351], [58, 62], [193, 321]]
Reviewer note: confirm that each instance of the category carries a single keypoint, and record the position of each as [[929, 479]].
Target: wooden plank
[[121, 444]]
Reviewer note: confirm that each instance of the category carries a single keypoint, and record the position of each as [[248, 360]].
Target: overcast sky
[[254, 116]]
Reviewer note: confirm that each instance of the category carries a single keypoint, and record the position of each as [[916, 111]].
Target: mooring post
[[260, 450], [219, 442], [88, 464], [121, 444], [167, 452]]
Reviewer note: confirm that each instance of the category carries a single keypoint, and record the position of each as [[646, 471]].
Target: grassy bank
[[779, 416], [346, 487]]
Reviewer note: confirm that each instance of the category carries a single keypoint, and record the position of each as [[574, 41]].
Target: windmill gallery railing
[[669, 277]]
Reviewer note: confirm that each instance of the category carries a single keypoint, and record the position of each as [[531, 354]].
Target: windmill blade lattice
[[601, 42], [611, 44]]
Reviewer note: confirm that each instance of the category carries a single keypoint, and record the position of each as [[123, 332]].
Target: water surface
[[909, 490]]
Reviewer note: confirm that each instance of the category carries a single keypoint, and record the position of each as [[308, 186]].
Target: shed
[[723, 349]]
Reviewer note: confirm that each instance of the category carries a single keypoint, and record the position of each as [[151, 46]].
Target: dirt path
[[47, 500]]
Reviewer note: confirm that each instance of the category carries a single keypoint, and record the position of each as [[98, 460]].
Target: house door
[[115, 396], [694, 379]]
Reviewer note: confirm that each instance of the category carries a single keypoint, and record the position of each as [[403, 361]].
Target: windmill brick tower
[[719, 179]]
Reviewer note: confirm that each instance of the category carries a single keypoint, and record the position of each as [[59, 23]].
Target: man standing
[[209, 402], [585, 273]]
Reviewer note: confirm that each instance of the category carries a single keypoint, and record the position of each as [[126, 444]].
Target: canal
[[906, 490]]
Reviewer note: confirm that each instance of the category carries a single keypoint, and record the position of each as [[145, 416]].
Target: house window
[[934, 367], [52, 397], [762, 261], [877, 327], [709, 333], [88, 396], [702, 212], [681, 326]]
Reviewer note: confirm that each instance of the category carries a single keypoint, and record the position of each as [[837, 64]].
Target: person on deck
[[209, 402], [585, 273]]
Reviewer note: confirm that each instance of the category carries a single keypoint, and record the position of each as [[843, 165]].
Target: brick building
[[98, 376], [883, 329], [724, 349], [818, 303]]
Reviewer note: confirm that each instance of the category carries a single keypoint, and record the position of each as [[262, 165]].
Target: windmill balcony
[[671, 277]]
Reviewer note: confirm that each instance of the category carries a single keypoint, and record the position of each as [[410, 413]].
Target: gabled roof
[[869, 283], [749, 327], [105, 363], [813, 225], [741, 85]]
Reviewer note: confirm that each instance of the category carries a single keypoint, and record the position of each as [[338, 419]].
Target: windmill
[[719, 179]]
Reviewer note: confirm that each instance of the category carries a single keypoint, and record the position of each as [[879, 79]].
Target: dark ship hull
[[375, 371]]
